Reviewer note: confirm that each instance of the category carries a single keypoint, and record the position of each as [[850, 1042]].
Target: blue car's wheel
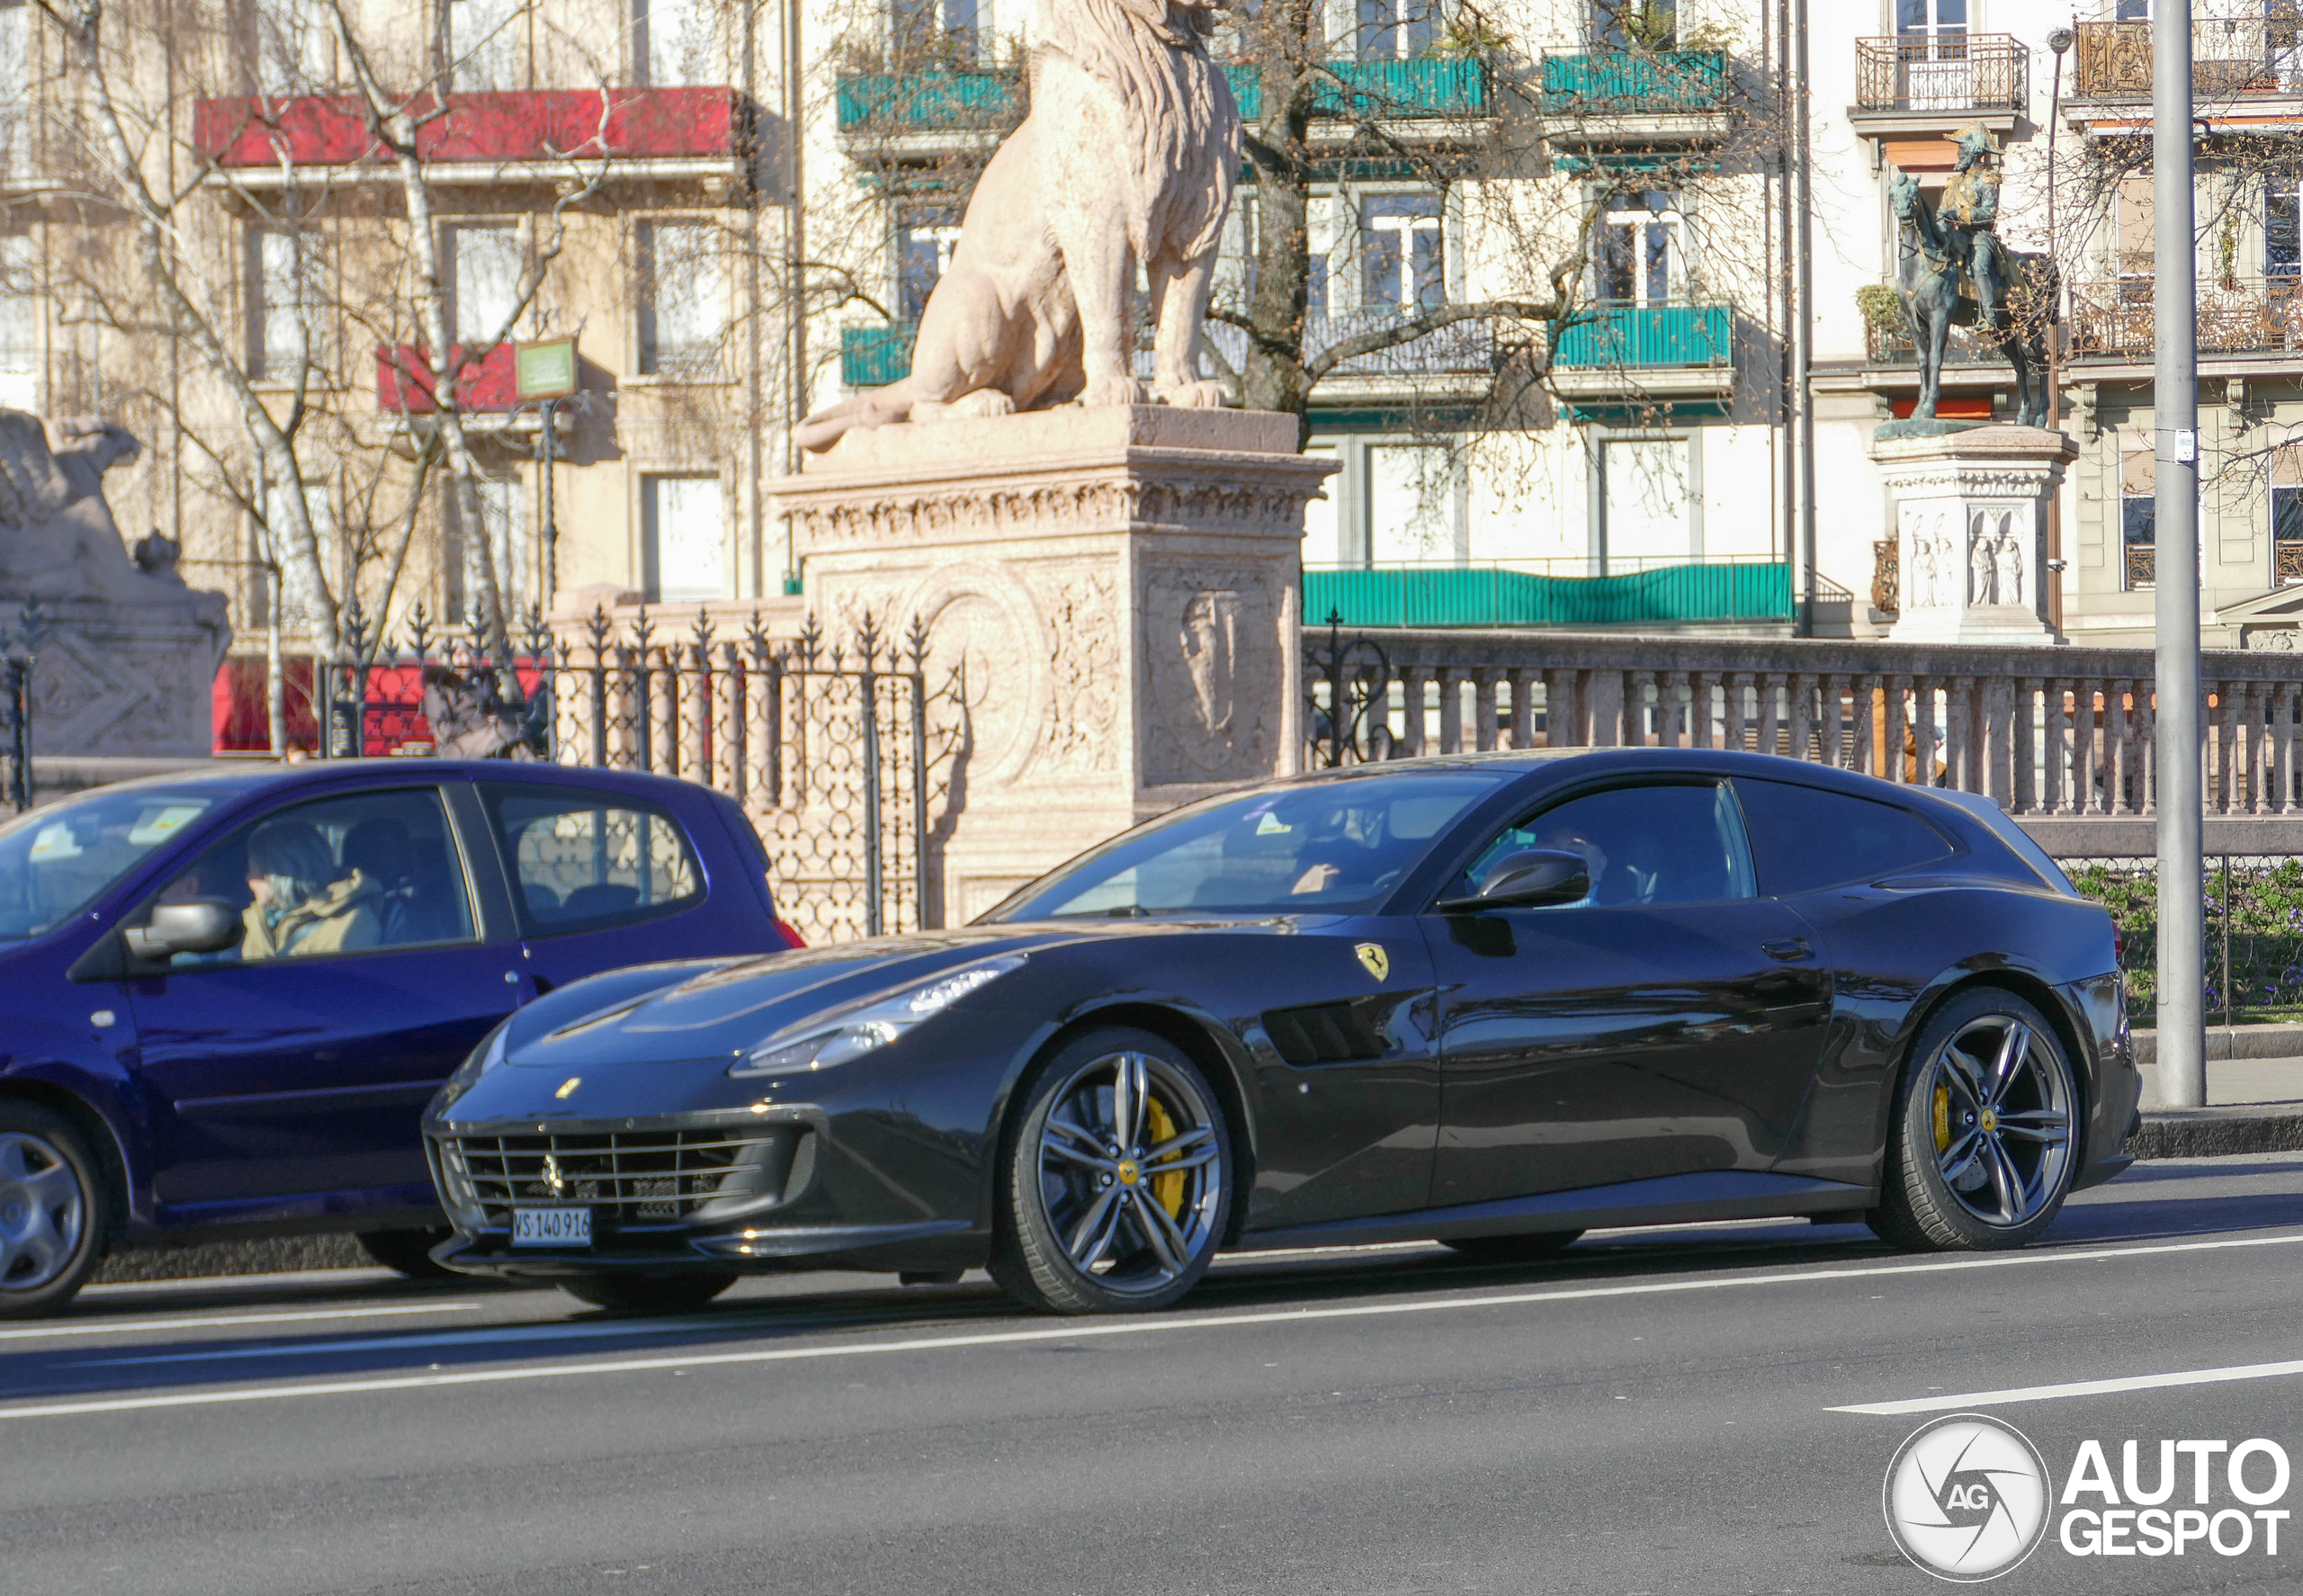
[[51, 1210], [1118, 1180]]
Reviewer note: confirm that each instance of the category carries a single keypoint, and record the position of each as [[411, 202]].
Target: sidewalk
[[2255, 1104]]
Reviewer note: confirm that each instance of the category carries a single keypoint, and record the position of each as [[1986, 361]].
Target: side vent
[[1328, 1032]]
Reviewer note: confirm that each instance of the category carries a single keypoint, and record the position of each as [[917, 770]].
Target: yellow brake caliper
[[1942, 1117], [1167, 1190]]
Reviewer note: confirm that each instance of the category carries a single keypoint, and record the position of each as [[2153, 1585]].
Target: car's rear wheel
[[1521, 1248], [53, 1228], [1980, 1144], [407, 1252], [1117, 1182], [648, 1294]]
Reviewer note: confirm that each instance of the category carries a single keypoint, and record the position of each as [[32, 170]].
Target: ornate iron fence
[[839, 751], [18, 650]]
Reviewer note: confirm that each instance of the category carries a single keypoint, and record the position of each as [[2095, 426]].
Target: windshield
[[1328, 847], [54, 862]]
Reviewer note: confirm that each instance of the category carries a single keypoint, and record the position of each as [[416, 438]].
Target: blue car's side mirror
[[197, 925]]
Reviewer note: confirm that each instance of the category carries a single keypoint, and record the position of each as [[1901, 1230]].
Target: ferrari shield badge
[[1378, 961]]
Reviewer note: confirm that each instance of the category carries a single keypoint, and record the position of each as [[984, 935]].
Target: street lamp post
[[2059, 42], [2183, 919]]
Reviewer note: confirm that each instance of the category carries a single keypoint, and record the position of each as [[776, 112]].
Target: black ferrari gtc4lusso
[[1491, 1001]]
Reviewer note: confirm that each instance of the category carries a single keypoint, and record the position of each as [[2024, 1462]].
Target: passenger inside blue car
[[299, 903]]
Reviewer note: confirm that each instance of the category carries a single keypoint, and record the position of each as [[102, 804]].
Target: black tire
[[55, 1212], [1965, 1170], [1528, 1248], [407, 1252], [1063, 1199], [648, 1294]]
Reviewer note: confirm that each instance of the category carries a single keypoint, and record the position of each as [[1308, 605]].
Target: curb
[[2215, 1133], [2232, 1042]]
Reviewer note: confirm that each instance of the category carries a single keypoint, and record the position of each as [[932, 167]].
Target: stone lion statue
[[58, 539], [1129, 156]]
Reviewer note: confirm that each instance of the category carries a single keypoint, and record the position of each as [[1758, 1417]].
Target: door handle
[[1789, 949]]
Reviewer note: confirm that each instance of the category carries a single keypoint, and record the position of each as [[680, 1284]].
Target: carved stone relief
[[1213, 652]]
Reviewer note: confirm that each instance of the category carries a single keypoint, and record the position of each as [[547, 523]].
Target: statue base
[[1929, 426], [127, 680], [1970, 515], [1118, 587]]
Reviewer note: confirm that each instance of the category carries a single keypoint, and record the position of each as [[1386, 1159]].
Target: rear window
[[1804, 840], [586, 861]]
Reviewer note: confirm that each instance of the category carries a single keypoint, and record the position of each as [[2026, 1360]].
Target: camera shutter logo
[[1967, 1498]]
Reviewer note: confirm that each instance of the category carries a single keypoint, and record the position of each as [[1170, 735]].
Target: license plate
[[552, 1227]]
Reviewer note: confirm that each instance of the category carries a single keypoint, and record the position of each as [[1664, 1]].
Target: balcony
[[527, 136], [2234, 59], [1931, 83], [2238, 316], [1646, 338], [874, 356], [1753, 592], [1611, 98], [405, 384], [940, 108]]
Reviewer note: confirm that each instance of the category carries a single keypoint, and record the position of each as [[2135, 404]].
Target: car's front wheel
[[1117, 1182], [52, 1214], [648, 1294], [1980, 1144]]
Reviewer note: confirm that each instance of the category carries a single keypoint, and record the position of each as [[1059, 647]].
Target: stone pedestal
[[1119, 587], [127, 680], [1971, 520]]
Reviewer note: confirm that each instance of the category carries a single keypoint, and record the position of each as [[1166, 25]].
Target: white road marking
[[278, 1281], [1150, 1325], [1985, 1399], [130, 1326], [507, 1334]]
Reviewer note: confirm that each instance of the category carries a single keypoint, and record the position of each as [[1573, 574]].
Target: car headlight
[[873, 1027]]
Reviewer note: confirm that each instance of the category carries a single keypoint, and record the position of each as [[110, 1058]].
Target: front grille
[[638, 1175]]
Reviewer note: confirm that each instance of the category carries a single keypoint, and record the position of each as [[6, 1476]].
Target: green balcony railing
[[935, 100], [1715, 592], [1608, 337], [1382, 91], [875, 356], [947, 100], [1621, 82]]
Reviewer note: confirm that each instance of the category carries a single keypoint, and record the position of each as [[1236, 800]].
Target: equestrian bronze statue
[[1952, 269]]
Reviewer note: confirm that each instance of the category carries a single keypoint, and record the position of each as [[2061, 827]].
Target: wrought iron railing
[[838, 750], [2235, 316], [1917, 73], [19, 652], [2141, 561], [2232, 56]]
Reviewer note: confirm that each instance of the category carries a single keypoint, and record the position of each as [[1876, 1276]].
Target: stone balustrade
[[2049, 731]]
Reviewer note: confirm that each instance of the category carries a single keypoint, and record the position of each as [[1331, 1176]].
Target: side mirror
[[1529, 879], [197, 925]]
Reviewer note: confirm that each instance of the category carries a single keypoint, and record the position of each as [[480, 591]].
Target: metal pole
[[2182, 928], [1803, 328], [551, 526], [2059, 41]]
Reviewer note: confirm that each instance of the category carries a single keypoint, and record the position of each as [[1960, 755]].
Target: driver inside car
[[299, 904]]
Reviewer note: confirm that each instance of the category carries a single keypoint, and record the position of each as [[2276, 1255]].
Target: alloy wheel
[[1129, 1173], [2000, 1104], [43, 1211]]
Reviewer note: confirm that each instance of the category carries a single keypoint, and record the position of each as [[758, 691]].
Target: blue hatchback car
[[225, 997]]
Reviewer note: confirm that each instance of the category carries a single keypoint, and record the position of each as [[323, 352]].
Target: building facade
[[738, 212]]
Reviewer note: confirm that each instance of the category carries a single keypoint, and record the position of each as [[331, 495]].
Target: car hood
[[691, 1012]]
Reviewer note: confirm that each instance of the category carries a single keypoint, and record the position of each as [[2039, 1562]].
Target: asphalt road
[[1655, 1411]]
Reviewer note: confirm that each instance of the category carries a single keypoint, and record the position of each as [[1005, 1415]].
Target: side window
[[585, 861], [1806, 839], [357, 873], [1663, 844]]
